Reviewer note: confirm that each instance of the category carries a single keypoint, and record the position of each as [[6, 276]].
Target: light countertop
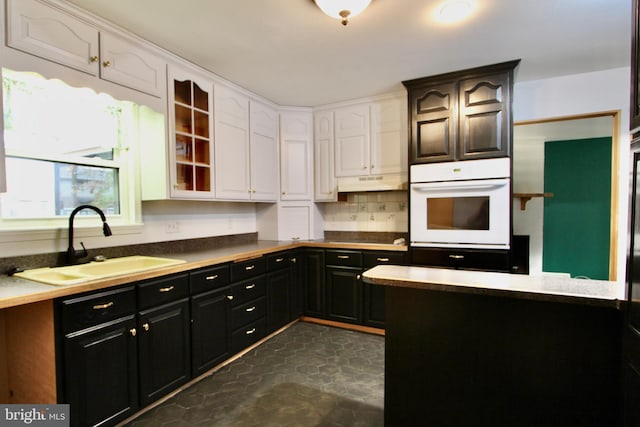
[[544, 288], [16, 291]]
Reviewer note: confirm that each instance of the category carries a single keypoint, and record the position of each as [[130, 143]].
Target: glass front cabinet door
[[191, 135]]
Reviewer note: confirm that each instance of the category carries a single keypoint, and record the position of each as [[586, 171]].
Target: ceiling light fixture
[[342, 9], [455, 10]]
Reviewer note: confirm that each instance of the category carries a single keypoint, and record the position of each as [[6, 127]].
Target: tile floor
[[309, 375]]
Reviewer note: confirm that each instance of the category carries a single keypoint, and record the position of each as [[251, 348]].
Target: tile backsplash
[[368, 211]]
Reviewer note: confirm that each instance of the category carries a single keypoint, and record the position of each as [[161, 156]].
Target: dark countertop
[[543, 288], [16, 291]]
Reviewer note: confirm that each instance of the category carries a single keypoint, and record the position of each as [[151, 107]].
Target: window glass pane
[[55, 188]]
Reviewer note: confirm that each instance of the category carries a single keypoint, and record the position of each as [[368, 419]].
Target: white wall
[[577, 94]]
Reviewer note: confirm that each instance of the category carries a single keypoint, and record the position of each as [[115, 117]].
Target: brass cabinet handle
[[358, 277], [343, 256], [145, 326], [456, 256], [215, 276], [251, 286], [250, 309], [294, 260], [230, 297], [383, 259], [133, 332], [279, 259], [249, 267], [167, 289], [103, 306], [93, 58], [250, 331], [106, 64]]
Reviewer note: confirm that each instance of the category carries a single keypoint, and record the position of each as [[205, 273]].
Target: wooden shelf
[[525, 197]]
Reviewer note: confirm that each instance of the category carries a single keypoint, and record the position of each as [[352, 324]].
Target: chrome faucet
[[72, 255]]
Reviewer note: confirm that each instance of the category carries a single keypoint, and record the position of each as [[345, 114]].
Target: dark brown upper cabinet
[[462, 115], [634, 121]]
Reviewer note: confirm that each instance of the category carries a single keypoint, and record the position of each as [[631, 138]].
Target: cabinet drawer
[[631, 345], [248, 290], [247, 313], [163, 290], [278, 261], [89, 310], [247, 335], [486, 260], [246, 269], [371, 259], [208, 279], [344, 258]]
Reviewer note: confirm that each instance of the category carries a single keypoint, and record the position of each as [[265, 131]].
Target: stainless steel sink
[[75, 274]]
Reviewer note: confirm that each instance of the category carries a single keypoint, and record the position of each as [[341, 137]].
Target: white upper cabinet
[[352, 140], [191, 153], [54, 34], [370, 138], [232, 144], [131, 66], [389, 143], [324, 174], [296, 152], [263, 150], [246, 148]]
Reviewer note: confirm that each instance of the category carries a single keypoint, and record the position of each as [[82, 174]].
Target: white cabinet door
[[352, 140], [294, 223], [52, 34], [388, 140], [325, 182], [232, 144], [296, 135], [191, 154], [263, 125], [131, 66]]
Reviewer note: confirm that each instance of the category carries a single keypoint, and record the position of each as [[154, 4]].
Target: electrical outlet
[[172, 227]]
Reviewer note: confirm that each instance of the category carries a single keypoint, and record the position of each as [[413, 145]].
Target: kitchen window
[[66, 146]]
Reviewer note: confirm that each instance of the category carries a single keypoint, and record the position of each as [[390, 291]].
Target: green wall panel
[[577, 219]]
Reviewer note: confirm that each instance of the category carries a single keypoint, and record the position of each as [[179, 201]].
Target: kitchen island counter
[[542, 288], [470, 348]]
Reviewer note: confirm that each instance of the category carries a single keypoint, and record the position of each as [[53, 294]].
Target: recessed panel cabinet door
[[484, 129], [52, 34], [164, 347], [433, 111], [352, 135], [210, 330], [263, 147], [101, 373]]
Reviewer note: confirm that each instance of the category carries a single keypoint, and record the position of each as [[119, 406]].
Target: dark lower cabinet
[[464, 259], [164, 349], [101, 373], [210, 330], [278, 299], [314, 283], [344, 294]]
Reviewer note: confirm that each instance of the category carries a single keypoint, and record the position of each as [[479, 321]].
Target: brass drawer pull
[[230, 297], [383, 259], [250, 309], [167, 289], [251, 286], [249, 267], [279, 259], [343, 256], [103, 306], [214, 277], [456, 256], [145, 326], [250, 331], [133, 332]]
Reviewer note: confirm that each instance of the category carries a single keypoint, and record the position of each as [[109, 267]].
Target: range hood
[[372, 183]]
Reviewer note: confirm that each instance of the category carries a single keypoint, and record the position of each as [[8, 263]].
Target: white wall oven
[[461, 204]]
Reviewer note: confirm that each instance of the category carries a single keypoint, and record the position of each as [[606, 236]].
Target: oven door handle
[[457, 185]]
